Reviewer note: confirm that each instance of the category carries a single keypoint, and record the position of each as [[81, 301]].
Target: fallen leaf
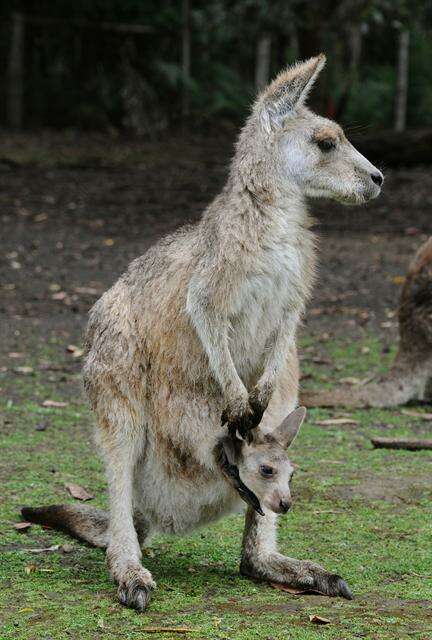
[[67, 548], [335, 421], [75, 351], [41, 217], [30, 568], [55, 404], [318, 360], [24, 370], [416, 414], [15, 354], [91, 291], [22, 526], [78, 492], [26, 610], [412, 231], [294, 590], [165, 630], [61, 295], [350, 380], [319, 620], [108, 242]]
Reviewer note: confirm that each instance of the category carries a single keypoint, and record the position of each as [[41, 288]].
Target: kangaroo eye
[[266, 471], [326, 145]]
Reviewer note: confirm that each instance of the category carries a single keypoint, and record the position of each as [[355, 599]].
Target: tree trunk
[[16, 72], [354, 37], [186, 58], [262, 63], [402, 81]]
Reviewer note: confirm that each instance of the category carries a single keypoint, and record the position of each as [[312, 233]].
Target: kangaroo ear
[[287, 91], [287, 431]]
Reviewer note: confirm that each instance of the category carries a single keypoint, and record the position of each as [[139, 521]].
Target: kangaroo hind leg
[[122, 438]]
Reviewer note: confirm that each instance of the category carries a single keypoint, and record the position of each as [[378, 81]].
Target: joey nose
[[377, 178], [284, 506]]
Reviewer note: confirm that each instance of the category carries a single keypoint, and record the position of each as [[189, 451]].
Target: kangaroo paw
[[135, 587]]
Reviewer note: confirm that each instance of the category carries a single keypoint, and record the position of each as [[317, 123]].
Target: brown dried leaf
[[22, 526], [78, 492], [54, 404], [75, 351], [90, 291], [350, 380], [166, 629], [319, 620], [61, 295], [30, 568]]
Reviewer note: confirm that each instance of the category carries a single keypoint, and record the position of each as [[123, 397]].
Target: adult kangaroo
[[203, 325]]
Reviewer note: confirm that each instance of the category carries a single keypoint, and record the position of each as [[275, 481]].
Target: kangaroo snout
[[285, 505], [280, 504], [377, 177]]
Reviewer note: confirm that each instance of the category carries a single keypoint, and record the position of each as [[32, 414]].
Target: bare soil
[[75, 209]]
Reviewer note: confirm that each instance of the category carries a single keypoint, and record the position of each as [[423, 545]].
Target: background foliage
[[95, 78]]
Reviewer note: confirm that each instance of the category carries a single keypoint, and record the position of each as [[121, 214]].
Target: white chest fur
[[275, 288]]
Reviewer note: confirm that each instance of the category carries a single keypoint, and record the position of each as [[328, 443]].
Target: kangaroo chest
[[273, 292]]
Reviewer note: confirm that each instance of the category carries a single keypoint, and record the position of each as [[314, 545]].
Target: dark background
[[146, 65]]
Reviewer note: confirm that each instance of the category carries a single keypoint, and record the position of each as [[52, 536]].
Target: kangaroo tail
[[78, 520]]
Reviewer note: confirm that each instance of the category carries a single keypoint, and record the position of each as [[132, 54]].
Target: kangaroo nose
[[378, 178], [284, 506]]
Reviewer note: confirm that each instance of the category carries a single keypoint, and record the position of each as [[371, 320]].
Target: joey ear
[[288, 90], [289, 428]]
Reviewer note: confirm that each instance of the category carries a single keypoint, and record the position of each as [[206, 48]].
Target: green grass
[[361, 512]]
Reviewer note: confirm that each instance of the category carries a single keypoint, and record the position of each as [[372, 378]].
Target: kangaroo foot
[[299, 574], [134, 587]]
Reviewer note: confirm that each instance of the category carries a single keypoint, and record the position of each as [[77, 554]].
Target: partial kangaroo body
[[203, 325]]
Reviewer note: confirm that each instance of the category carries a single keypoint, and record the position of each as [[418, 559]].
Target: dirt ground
[[75, 209]]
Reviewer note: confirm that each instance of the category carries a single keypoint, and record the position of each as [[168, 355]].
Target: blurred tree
[[149, 64]]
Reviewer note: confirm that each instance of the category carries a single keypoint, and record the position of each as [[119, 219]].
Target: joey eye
[[266, 471], [326, 145]]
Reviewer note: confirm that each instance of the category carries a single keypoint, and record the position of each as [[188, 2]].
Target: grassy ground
[[361, 512]]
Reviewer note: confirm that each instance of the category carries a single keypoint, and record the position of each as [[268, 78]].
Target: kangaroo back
[[78, 520]]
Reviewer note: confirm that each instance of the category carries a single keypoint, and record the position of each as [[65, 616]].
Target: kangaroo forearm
[[282, 344], [212, 330]]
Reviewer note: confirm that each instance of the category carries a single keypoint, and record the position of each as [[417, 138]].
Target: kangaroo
[[410, 375], [203, 326]]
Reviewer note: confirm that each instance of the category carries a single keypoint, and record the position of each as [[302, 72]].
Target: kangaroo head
[[263, 464], [293, 150]]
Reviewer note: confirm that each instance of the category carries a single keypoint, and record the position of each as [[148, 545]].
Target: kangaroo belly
[[175, 504]]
